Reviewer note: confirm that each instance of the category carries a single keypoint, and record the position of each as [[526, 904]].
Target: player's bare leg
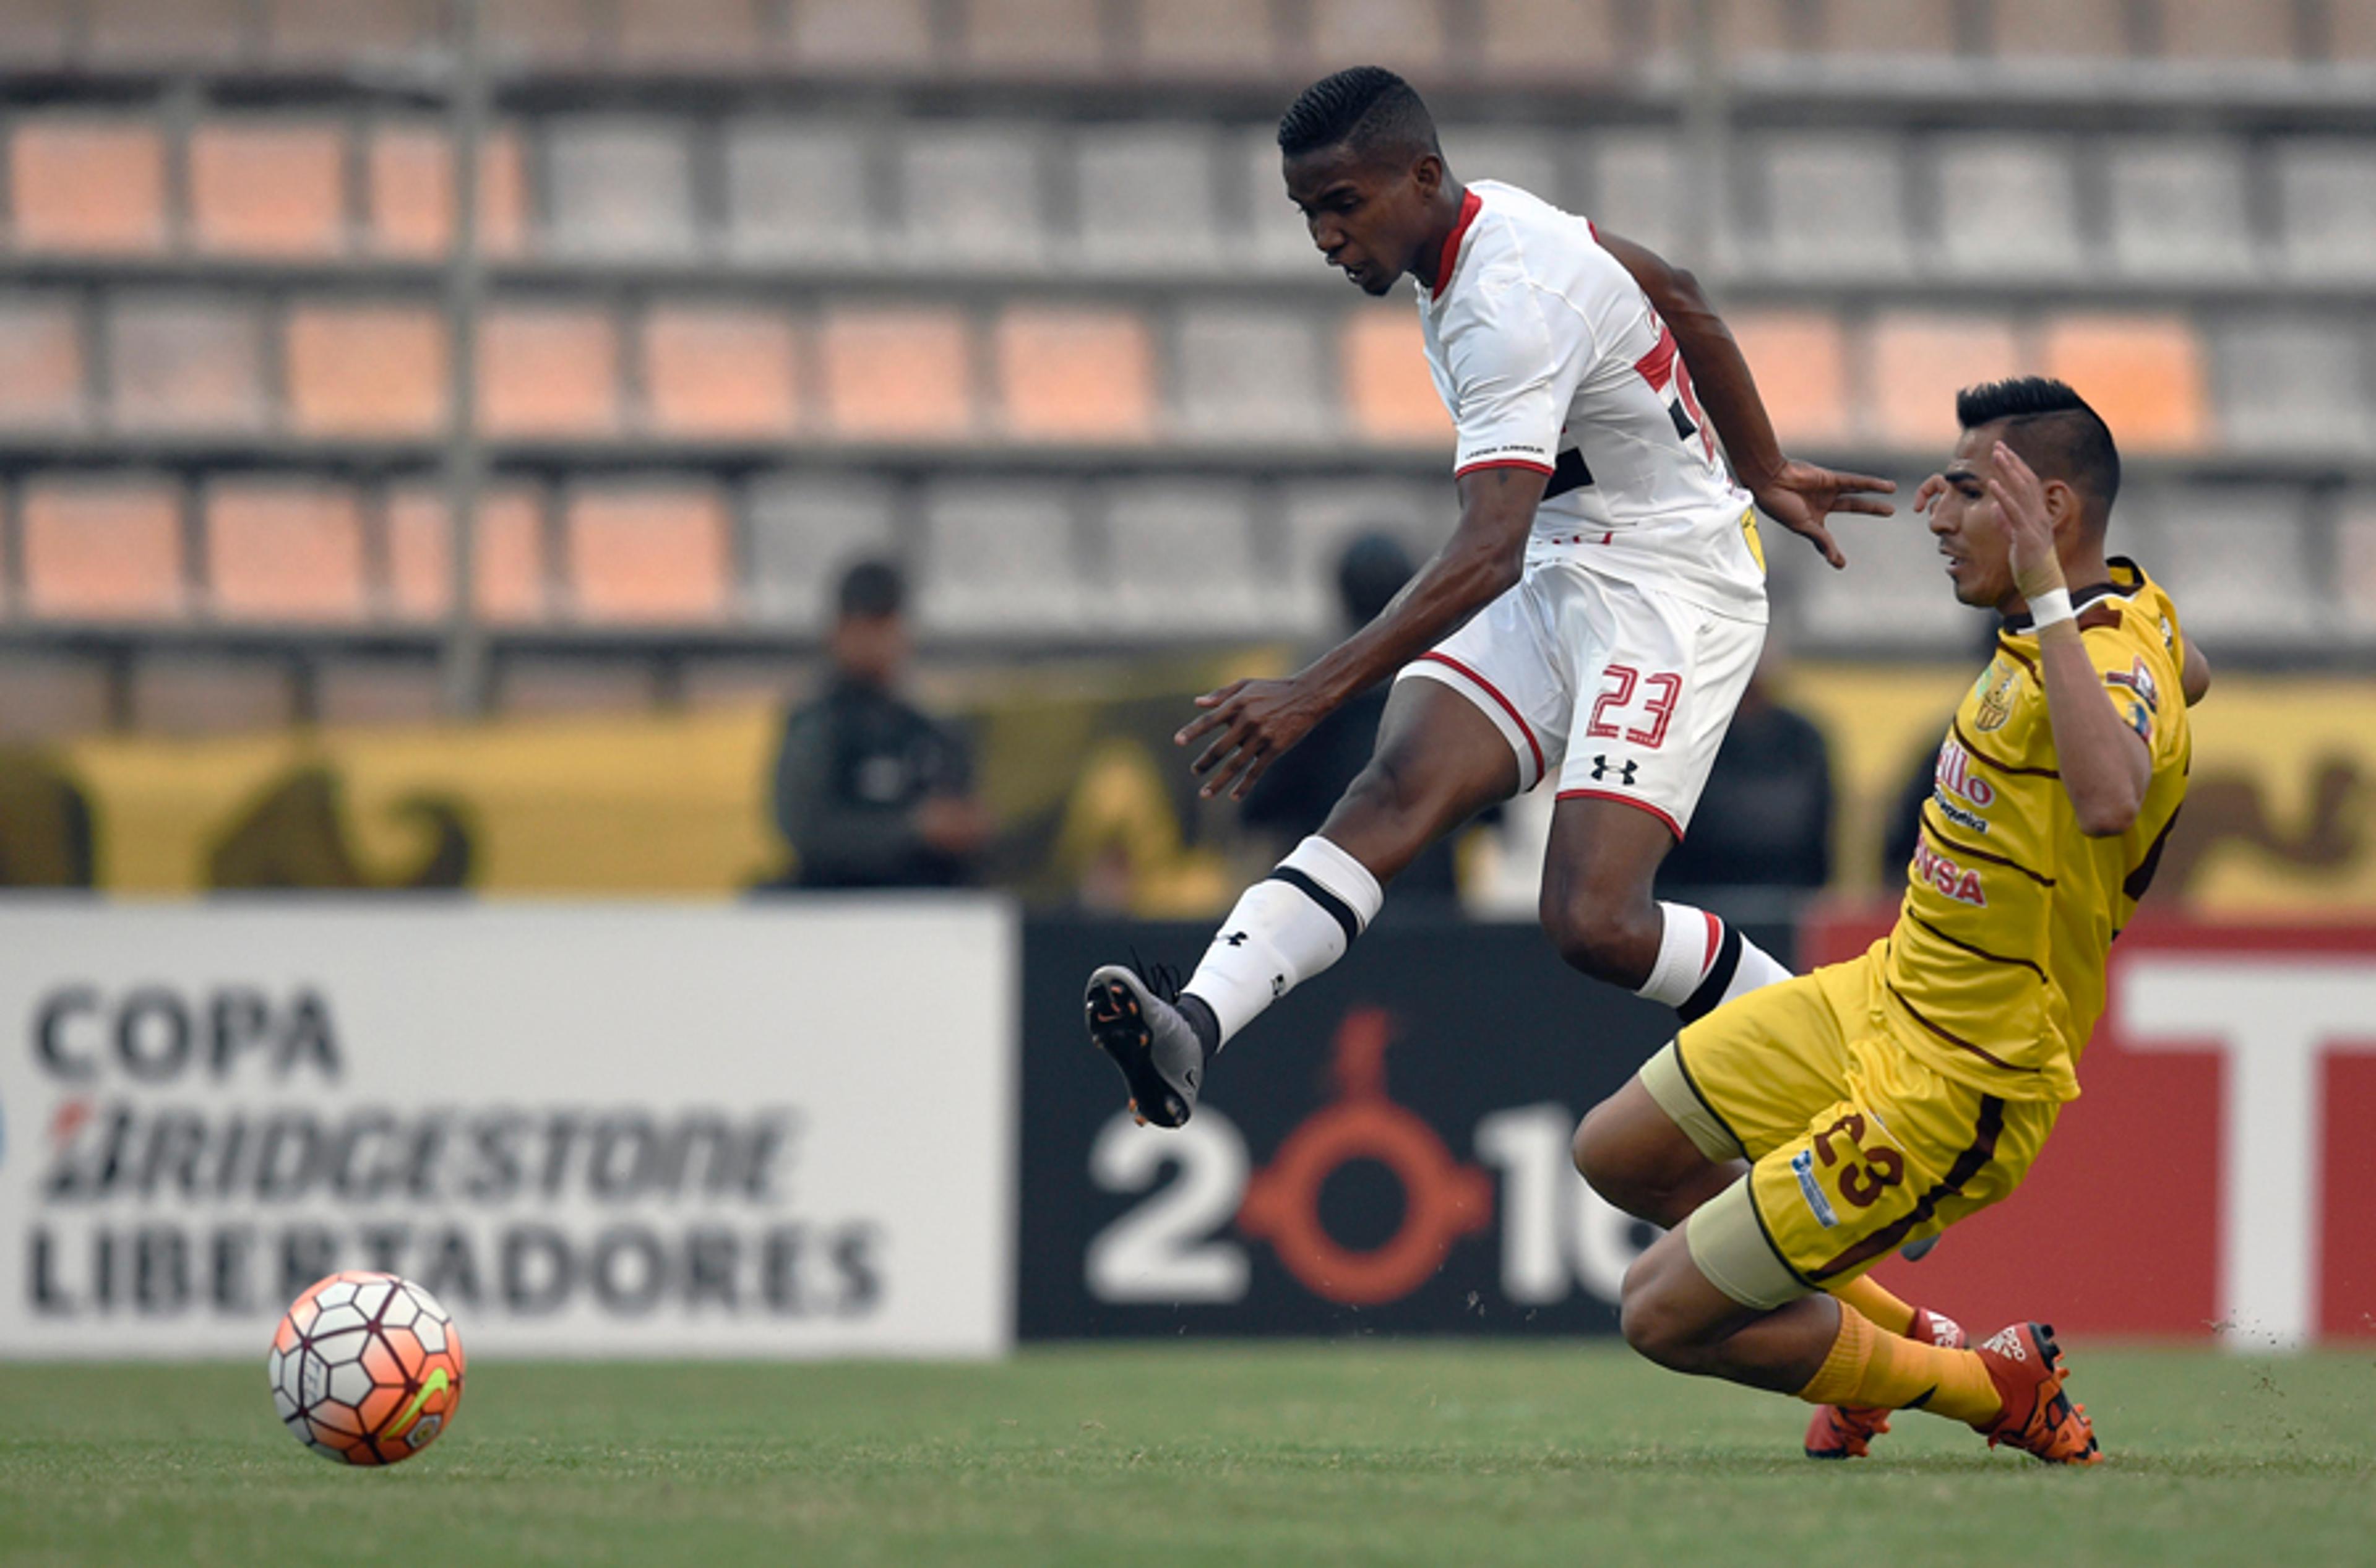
[[1634, 1154], [1597, 908], [1437, 762]]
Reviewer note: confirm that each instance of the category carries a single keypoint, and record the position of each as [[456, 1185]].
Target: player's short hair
[[2054, 430], [1366, 108], [871, 590]]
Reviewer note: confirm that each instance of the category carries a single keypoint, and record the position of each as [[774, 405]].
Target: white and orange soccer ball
[[366, 1368]]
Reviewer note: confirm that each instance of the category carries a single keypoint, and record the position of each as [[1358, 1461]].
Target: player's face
[[1970, 531], [1368, 217]]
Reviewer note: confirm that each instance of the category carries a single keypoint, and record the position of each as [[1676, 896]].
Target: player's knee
[[1597, 936], [1649, 1318], [1385, 796], [1598, 1148]]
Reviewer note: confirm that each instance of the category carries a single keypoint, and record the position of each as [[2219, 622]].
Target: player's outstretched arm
[[2107, 766], [1251, 722], [1798, 495]]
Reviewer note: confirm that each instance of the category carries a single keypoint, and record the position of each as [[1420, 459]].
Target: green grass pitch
[[1363, 1452]]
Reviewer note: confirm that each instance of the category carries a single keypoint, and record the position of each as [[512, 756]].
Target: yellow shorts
[[1856, 1145]]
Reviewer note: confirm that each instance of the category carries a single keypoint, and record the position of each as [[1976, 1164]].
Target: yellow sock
[[1871, 1298], [1869, 1368]]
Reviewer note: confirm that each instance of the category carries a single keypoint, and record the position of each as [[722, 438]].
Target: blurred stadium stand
[[1008, 286]]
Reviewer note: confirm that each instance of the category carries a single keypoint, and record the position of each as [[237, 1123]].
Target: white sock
[[1285, 930], [1705, 962]]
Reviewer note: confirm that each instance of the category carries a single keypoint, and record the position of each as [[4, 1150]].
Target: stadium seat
[[1555, 41], [185, 362], [2143, 374], [653, 551], [1203, 39], [798, 190], [1275, 239], [2221, 31], [87, 184], [2178, 208], [719, 372], [39, 35], [864, 36], [2355, 563], [179, 693], [102, 549], [1075, 373], [366, 369], [2351, 29], [713, 35], [1636, 187], [510, 577], [2290, 382], [50, 696], [971, 194], [540, 686], [40, 362], [1836, 205], [1182, 562], [897, 372], [147, 33], [1388, 389], [548, 370], [1513, 155], [1000, 557], [2326, 195], [1147, 195], [268, 187], [548, 34], [1918, 362], [1321, 516], [1040, 39], [1800, 362], [805, 530], [1251, 372], [2034, 31], [1403, 35], [2007, 204], [619, 186], [2238, 559], [338, 34], [373, 690], [410, 197], [284, 550], [1853, 28]]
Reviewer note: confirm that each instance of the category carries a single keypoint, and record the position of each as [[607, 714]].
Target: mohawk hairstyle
[[1367, 107], [2054, 429]]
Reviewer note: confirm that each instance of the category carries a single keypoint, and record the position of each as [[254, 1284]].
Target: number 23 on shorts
[[1628, 696]]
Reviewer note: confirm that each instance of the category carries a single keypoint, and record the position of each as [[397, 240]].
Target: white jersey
[[1550, 357]]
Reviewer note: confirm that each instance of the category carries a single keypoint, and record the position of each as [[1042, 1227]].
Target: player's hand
[[2019, 500], [1251, 722], [1928, 496], [1800, 495]]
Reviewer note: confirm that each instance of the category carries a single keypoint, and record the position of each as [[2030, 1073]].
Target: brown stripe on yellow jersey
[[1998, 957]]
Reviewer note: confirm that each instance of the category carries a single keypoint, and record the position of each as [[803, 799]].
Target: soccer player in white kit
[[1606, 566]]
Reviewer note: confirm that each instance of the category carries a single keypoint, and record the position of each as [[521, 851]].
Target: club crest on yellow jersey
[[1995, 692]]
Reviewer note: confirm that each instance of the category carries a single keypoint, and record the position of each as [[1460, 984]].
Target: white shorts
[[1625, 690]]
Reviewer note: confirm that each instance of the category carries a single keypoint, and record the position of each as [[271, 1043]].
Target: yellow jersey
[[1994, 973]]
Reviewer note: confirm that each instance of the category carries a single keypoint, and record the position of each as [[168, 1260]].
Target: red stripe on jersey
[[1639, 805], [1527, 463], [1491, 690], [1470, 205], [1658, 366]]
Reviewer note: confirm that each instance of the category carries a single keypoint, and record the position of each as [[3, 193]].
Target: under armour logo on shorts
[[1600, 771]]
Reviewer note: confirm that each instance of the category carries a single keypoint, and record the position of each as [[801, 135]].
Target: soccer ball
[[366, 1368]]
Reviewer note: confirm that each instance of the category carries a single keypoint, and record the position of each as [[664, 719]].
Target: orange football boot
[[2039, 1419], [1837, 1432]]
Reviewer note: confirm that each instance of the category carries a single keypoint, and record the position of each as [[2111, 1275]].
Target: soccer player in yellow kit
[[1798, 1135]]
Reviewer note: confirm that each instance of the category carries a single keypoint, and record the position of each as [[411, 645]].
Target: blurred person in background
[[1305, 784], [869, 791], [1766, 814]]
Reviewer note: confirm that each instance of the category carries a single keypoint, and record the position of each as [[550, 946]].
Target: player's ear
[[2064, 511], [1429, 175]]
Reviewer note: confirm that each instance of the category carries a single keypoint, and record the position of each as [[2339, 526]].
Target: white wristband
[[2050, 608]]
